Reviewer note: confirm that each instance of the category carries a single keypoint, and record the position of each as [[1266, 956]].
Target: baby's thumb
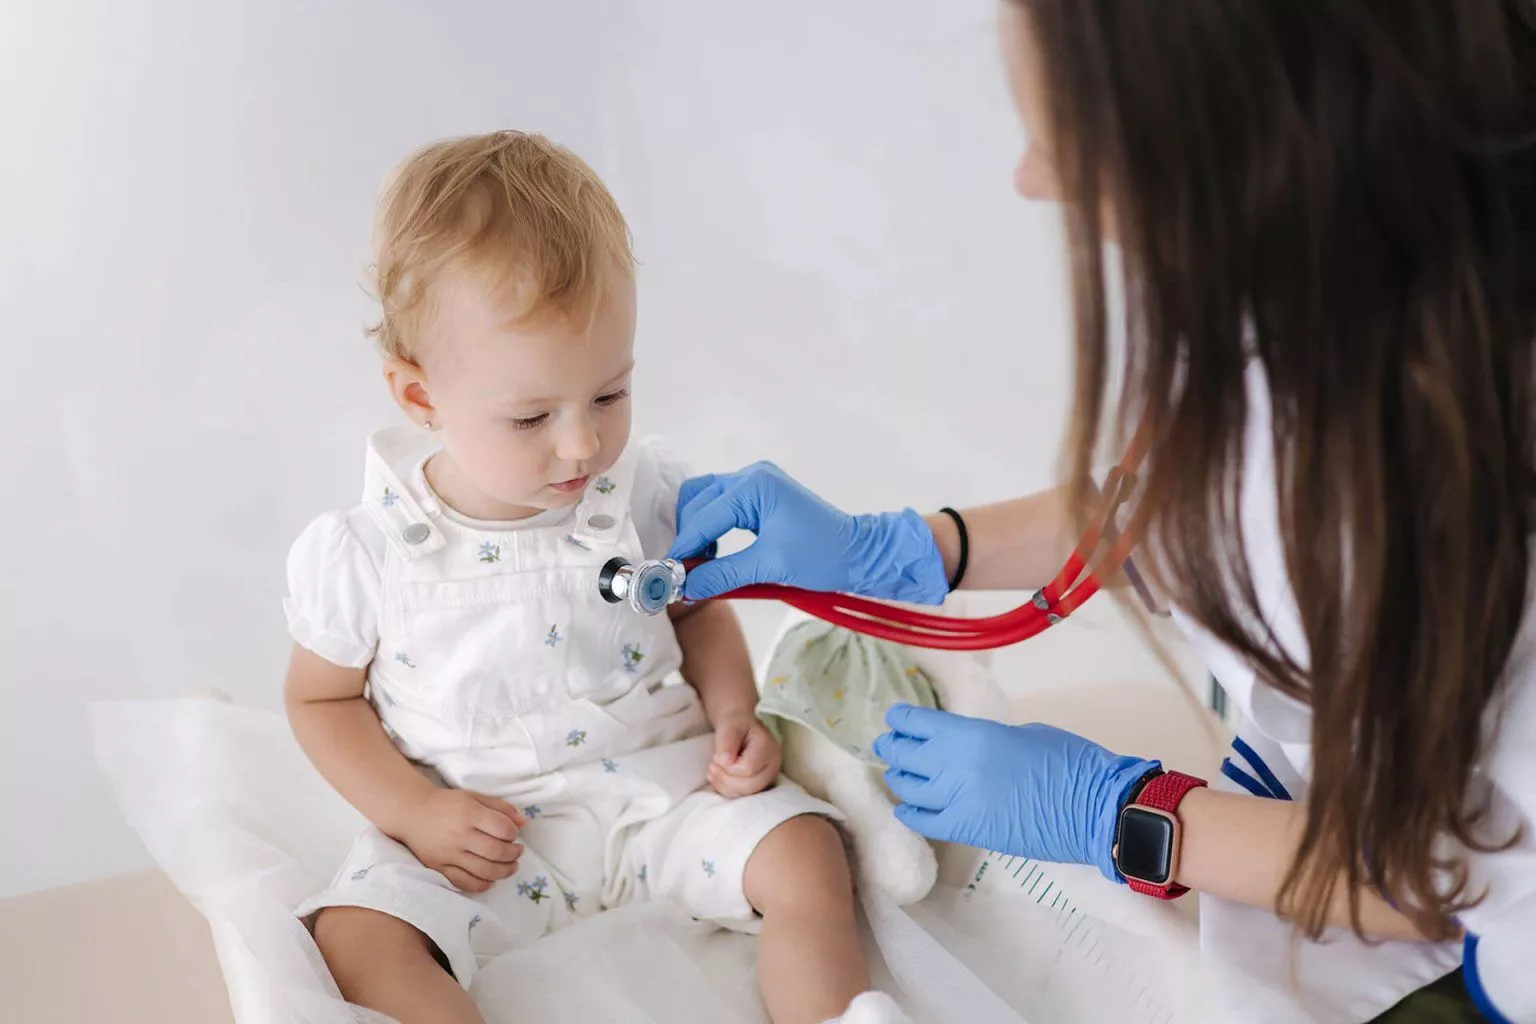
[[756, 751], [728, 742]]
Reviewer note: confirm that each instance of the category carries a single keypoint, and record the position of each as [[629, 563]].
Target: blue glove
[[802, 541], [1029, 790]]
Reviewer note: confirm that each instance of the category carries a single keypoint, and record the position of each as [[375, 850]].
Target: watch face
[[1146, 845]]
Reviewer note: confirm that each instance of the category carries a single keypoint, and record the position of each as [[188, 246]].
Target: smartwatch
[[1148, 834]]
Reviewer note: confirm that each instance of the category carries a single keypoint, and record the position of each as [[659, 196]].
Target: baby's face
[[529, 410]]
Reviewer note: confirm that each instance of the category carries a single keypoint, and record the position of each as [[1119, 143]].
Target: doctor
[[1326, 215]]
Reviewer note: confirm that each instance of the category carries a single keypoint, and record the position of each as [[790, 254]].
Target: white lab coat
[[1342, 978]]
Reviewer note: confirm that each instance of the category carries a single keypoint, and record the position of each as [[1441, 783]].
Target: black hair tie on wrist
[[965, 548]]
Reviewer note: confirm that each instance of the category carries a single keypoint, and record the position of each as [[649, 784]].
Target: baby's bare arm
[[717, 664], [715, 659], [341, 733], [469, 837]]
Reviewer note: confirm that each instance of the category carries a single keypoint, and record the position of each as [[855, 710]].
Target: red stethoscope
[[651, 586]]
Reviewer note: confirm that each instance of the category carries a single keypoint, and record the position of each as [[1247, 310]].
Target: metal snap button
[[416, 533], [601, 521]]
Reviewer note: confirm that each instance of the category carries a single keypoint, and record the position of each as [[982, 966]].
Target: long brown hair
[[1344, 192]]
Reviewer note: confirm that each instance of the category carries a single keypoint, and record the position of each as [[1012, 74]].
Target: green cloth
[[840, 684], [1444, 1002]]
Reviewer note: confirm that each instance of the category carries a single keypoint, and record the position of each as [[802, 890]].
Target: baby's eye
[[614, 397], [530, 422]]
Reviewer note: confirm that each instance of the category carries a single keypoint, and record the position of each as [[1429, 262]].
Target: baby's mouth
[[570, 486]]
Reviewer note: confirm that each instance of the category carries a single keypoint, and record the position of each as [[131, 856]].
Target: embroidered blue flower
[[630, 658], [553, 637], [388, 498], [640, 875], [570, 539], [490, 552], [404, 659], [473, 922], [575, 738], [570, 900], [534, 890], [532, 811], [358, 876], [604, 485], [709, 868], [610, 765]]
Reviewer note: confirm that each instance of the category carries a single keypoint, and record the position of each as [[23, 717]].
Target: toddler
[[523, 750]]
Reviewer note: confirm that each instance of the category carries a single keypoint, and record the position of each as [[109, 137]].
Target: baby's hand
[[467, 837], [746, 756]]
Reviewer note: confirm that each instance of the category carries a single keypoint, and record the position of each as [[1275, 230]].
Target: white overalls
[[495, 663], [1344, 980]]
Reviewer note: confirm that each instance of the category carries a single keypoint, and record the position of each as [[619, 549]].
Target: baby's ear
[[408, 386]]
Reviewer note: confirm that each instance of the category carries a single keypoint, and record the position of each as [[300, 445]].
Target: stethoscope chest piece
[[648, 587]]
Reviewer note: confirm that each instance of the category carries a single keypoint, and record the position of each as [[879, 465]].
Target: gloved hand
[[802, 541], [1029, 790]]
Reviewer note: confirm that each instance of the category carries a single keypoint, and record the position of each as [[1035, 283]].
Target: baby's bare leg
[[809, 964], [384, 964]]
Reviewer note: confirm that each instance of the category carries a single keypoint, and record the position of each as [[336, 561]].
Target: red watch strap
[[1164, 792]]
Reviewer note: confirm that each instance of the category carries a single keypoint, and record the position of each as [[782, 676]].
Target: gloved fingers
[[905, 754], [699, 526], [706, 490], [917, 791], [921, 723], [722, 575], [692, 488], [690, 501]]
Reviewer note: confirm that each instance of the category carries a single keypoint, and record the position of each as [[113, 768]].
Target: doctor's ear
[[408, 386]]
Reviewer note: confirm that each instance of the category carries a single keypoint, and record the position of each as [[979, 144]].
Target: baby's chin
[[551, 499], [522, 505]]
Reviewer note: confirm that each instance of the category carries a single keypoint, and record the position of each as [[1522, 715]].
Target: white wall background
[[834, 275]]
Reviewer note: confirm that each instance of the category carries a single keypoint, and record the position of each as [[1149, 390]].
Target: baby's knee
[[355, 942], [802, 862]]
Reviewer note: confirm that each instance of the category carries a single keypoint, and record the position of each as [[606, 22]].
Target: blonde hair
[[527, 214]]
